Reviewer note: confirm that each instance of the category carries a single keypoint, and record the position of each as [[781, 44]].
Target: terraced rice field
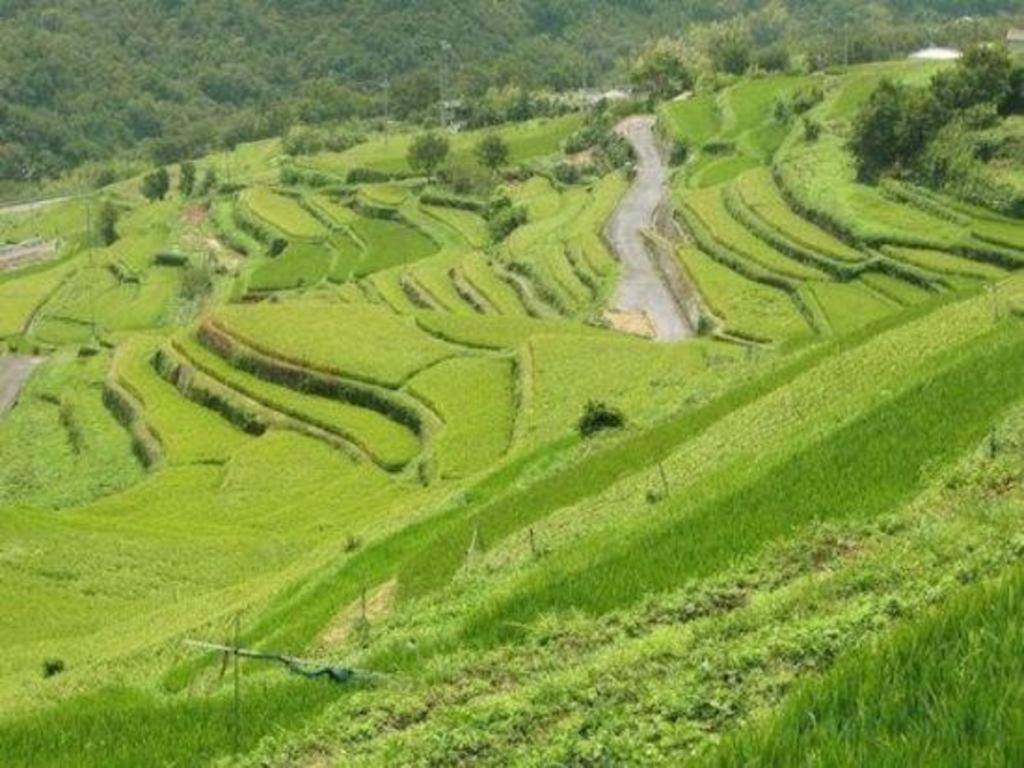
[[367, 452], [475, 398], [283, 214]]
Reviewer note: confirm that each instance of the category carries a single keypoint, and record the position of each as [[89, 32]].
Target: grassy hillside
[[340, 421]]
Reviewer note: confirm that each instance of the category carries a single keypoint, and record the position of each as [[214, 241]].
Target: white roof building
[[935, 53]]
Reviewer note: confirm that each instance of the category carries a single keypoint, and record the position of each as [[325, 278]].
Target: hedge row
[[304, 380], [125, 409], [183, 377], [454, 201]]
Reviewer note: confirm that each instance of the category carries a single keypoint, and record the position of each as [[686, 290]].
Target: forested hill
[[80, 79]]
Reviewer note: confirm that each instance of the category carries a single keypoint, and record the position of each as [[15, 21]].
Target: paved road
[[35, 250], [642, 287], [14, 372]]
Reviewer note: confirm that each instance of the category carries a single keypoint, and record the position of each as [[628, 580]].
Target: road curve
[[14, 372], [642, 286]]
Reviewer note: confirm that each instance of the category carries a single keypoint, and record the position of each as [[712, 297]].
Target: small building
[[1015, 40], [935, 53]]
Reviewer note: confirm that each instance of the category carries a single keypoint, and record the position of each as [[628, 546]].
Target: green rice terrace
[[409, 442]]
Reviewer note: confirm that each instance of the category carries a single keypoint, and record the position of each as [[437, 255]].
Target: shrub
[[772, 59], [812, 129], [427, 152], [679, 152], [187, 184], [566, 173], [156, 185], [599, 417], [108, 223], [197, 282], [503, 218], [170, 259], [276, 247], [53, 667]]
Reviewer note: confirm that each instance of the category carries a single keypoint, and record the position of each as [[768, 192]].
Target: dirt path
[[32, 205], [643, 288], [14, 372]]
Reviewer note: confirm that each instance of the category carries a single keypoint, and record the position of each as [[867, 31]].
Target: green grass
[[945, 263], [282, 213], [94, 294], [849, 306], [60, 447], [19, 299], [389, 244], [499, 294], [384, 243], [470, 226], [388, 195], [646, 381], [748, 308], [696, 120], [758, 192], [123, 727], [709, 207], [498, 332], [896, 289], [475, 398], [301, 265], [865, 469], [526, 141], [942, 691], [359, 341], [712, 170], [188, 432]]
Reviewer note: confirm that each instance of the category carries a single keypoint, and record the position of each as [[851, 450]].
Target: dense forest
[[82, 79]]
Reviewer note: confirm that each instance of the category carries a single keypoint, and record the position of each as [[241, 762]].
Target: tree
[[728, 47], [427, 152], [894, 127], [492, 151], [661, 70], [985, 75], [209, 182], [156, 185], [108, 223], [187, 184]]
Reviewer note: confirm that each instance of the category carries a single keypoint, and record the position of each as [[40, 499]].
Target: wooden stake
[[238, 690], [664, 479]]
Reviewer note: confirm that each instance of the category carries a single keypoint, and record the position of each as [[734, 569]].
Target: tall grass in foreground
[[124, 727], [947, 690], [863, 470]]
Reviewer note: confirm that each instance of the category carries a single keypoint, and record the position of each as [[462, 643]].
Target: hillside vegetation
[[376, 418]]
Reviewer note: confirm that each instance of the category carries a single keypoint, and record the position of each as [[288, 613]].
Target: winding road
[[14, 372], [644, 288]]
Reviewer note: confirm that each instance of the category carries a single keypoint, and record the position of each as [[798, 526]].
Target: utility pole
[[387, 105], [90, 245], [445, 52]]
